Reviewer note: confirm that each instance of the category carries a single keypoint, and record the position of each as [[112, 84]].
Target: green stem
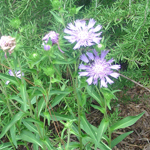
[[78, 103], [106, 116], [79, 120], [68, 141], [109, 132]]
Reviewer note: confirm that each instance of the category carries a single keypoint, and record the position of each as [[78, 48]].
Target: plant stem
[[78, 103], [68, 141]]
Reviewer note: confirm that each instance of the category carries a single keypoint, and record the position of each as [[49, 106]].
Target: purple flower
[[98, 68], [84, 35], [47, 47], [17, 74], [54, 38]]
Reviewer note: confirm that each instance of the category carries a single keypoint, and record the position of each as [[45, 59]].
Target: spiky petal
[[18, 74], [98, 69], [84, 35]]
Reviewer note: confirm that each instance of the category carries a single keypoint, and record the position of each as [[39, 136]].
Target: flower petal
[[114, 74], [89, 80], [109, 80], [47, 47], [97, 28], [103, 54], [115, 67], [81, 66], [7, 82], [83, 73], [95, 52], [11, 73], [91, 23], [84, 58], [90, 55], [110, 61], [103, 83]]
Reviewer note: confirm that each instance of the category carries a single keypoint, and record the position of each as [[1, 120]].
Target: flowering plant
[[59, 81]]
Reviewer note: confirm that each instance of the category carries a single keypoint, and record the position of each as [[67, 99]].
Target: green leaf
[[17, 98], [84, 99], [29, 70], [58, 18], [48, 144], [78, 8], [35, 147], [128, 121], [56, 117], [66, 91], [62, 61], [79, 96], [94, 94], [35, 121], [86, 126], [57, 99], [42, 58], [47, 115], [102, 129], [8, 78], [108, 95], [74, 145], [5, 146], [13, 135], [41, 105], [103, 146], [30, 126], [24, 95], [11, 123], [29, 137], [119, 139], [101, 109]]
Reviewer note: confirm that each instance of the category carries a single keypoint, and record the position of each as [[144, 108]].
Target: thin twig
[[135, 82]]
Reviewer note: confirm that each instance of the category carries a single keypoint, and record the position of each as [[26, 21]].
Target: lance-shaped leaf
[[128, 121], [119, 139], [102, 129], [30, 137], [8, 78], [11, 123]]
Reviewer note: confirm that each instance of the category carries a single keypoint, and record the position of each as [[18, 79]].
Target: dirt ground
[[140, 138]]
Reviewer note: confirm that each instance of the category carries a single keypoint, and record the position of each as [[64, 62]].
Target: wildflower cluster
[[94, 66], [97, 67]]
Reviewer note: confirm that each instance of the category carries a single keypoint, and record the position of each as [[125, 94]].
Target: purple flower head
[[54, 38], [98, 68], [84, 35], [17, 74], [47, 47]]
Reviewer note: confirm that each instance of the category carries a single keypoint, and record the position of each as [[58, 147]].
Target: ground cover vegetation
[[61, 59]]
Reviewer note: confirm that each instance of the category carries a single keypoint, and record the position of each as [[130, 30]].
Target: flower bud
[[53, 36], [7, 43]]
